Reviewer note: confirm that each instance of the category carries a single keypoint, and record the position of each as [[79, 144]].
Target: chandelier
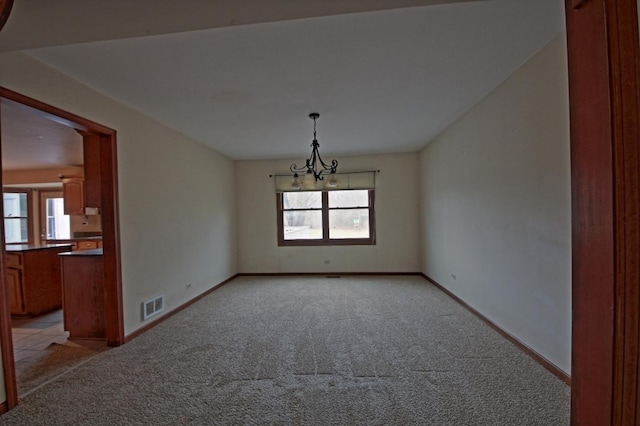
[[314, 167]]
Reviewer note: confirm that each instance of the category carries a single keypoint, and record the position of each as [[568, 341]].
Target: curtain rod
[[337, 173]]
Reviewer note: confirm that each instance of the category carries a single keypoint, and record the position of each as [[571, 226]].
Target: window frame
[[325, 240], [28, 218], [46, 194]]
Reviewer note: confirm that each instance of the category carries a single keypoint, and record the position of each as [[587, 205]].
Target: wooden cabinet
[[73, 194], [14, 284], [83, 295], [82, 194], [83, 244], [87, 244], [34, 280], [92, 176]]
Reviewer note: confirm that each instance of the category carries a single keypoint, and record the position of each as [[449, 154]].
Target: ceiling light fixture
[[312, 174]]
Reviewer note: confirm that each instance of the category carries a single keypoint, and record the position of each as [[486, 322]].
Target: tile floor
[[32, 335]]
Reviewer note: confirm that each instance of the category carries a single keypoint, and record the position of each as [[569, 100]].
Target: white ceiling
[[243, 80], [33, 141]]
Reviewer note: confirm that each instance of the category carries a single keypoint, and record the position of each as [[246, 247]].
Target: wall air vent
[[152, 307]]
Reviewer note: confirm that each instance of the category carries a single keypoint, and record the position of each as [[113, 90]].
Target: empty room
[[310, 213]]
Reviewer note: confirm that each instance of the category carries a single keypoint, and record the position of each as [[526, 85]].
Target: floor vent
[[152, 307]]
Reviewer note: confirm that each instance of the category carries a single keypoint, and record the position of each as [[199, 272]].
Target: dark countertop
[[92, 252], [29, 247], [81, 235]]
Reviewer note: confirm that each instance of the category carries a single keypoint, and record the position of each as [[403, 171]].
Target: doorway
[[103, 143], [54, 224]]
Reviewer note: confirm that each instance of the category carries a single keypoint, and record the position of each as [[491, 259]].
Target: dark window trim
[[42, 216], [326, 241], [29, 217]]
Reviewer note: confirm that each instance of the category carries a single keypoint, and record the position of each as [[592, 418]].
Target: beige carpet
[[317, 351]]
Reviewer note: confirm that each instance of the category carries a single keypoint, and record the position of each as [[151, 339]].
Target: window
[[309, 218], [16, 217], [55, 225]]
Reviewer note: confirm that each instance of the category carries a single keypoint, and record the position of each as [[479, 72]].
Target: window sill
[[312, 243]]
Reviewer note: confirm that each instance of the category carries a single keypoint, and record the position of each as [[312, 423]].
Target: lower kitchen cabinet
[[14, 284], [83, 294], [33, 278], [87, 244]]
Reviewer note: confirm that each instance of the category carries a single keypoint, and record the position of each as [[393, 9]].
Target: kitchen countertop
[[79, 235], [92, 252], [29, 247]]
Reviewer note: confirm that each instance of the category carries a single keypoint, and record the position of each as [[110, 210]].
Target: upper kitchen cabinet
[[92, 184], [73, 194], [82, 194]]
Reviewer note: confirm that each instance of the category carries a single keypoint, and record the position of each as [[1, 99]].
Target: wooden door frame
[[111, 236], [43, 194], [603, 52]]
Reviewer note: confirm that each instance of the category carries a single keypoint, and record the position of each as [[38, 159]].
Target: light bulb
[[295, 183], [332, 181]]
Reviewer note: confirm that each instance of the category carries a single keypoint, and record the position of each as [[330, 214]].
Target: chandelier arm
[[312, 162], [295, 169], [333, 167]]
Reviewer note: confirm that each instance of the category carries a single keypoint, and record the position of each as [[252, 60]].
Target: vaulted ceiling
[[242, 76]]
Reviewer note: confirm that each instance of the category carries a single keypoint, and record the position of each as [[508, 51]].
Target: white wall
[[177, 197], [495, 206], [397, 247]]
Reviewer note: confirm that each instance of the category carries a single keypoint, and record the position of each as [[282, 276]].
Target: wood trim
[[624, 57], [325, 241], [91, 147], [30, 211], [111, 240], [174, 311], [602, 40], [324, 274], [523, 347], [43, 194], [111, 237], [526, 349], [53, 113], [577, 4], [279, 218], [5, 11], [519, 344], [6, 341], [592, 216], [372, 217], [333, 242], [325, 216]]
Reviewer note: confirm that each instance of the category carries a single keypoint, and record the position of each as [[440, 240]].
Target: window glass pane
[[16, 230], [349, 223], [359, 198], [15, 204], [302, 225], [302, 200], [58, 223]]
